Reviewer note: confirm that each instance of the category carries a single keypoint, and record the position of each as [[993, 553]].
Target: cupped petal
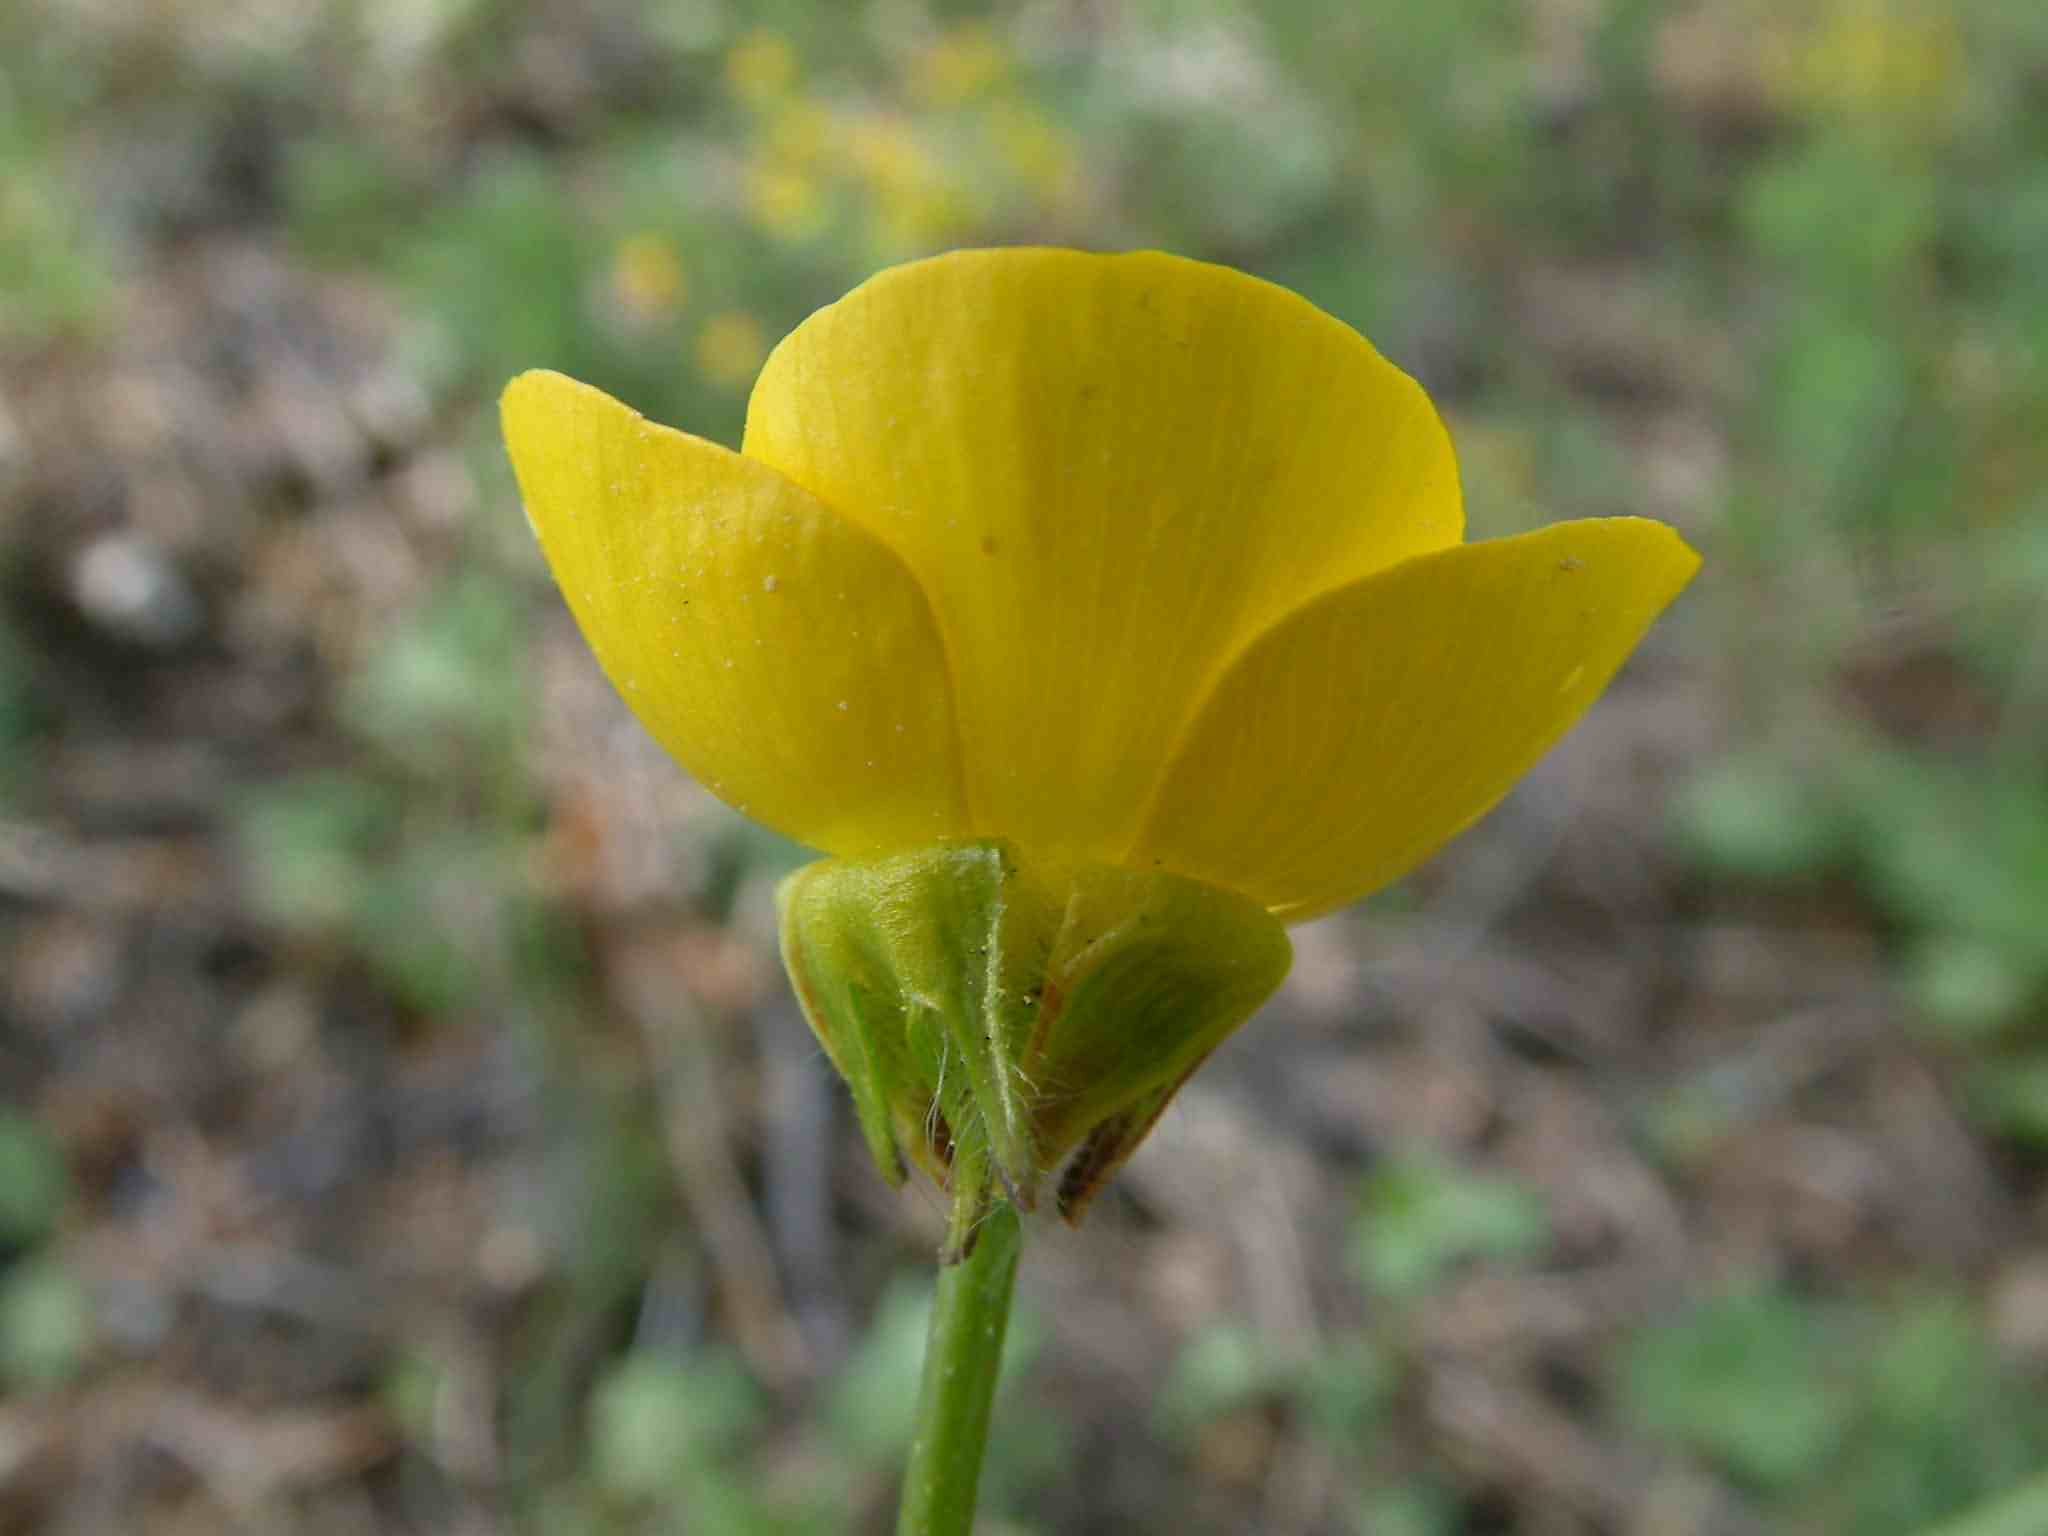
[[1110, 473], [1373, 725], [783, 656]]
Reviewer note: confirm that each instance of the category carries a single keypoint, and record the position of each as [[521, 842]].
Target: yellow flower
[[1127, 565], [729, 349], [647, 276], [1876, 59], [909, 218], [761, 67], [958, 66], [1033, 147], [785, 202], [799, 132], [914, 199], [887, 153], [1129, 557]]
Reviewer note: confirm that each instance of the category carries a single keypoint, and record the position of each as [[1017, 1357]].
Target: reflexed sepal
[[995, 1019]]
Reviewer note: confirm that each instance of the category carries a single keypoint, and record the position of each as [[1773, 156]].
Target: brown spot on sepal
[[1108, 1147]]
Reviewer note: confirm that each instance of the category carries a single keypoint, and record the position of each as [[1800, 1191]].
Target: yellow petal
[[1369, 728], [1110, 473], [782, 655]]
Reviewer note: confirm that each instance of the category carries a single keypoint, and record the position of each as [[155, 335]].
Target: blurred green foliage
[[45, 1325], [33, 1182], [1418, 1218], [1863, 1421], [1227, 1368], [45, 1318], [18, 713], [682, 1443], [1748, 1380], [1418, 1221]]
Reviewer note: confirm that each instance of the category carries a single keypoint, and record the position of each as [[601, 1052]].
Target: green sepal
[[993, 1018]]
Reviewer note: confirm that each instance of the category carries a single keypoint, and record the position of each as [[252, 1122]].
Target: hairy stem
[[963, 1357]]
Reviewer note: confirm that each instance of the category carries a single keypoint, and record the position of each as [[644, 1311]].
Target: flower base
[[1003, 1023]]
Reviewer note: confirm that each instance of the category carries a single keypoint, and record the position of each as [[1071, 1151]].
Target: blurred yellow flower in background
[[1130, 560], [1874, 59], [1035, 149], [784, 201], [647, 278], [931, 214], [959, 66], [761, 67], [885, 150], [730, 348], [914, 198], [798, 132]]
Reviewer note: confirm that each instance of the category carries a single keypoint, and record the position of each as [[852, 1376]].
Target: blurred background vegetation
[[403, 1125]]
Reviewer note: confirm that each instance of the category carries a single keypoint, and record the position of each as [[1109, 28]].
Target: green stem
[[963, 1357]]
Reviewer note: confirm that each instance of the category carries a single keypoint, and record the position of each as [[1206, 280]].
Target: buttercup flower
[[1099, 615]]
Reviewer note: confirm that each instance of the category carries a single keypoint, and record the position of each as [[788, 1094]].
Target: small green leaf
[[1417, 1218], [45, 1324], [656, 1423], [1754, 816], [33, 1182], [1743, 1379], [2010, 1095], [1412, 1509], [1216, 1372], [1966, 989]]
